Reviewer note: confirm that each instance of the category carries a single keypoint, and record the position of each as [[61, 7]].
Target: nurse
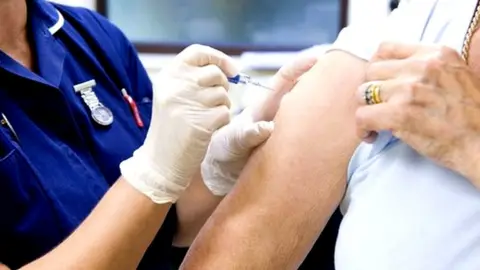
[[75, 102]]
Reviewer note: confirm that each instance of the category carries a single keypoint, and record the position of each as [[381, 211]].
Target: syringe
[[247, 80]]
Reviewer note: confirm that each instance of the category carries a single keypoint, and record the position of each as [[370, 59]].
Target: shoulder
[[110, 44], [404, 24]]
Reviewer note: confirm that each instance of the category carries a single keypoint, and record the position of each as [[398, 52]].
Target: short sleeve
[[362, 40]]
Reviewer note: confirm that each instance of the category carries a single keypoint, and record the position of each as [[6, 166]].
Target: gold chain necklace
[[471, 29]]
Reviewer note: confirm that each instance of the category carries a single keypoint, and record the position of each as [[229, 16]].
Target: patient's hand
[[282, 83]]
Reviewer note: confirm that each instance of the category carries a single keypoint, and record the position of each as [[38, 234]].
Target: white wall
[[359, 10]]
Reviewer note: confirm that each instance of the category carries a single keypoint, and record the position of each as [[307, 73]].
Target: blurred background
[[261, 34]]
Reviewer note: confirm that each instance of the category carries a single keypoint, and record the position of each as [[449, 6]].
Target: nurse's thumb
[[256, 133]]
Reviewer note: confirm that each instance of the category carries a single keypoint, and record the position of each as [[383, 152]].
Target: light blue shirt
[[401, 210]]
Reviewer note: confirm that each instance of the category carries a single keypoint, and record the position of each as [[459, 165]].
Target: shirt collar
[[45, 10], [44, 21]]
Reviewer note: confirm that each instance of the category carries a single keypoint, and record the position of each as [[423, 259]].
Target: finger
[[389, 69], [200, 55], [396, 50], [255, 134], [213, 97], [377, 117], [287, 76], [215, 118], [385, 89], [402, 91], [426, 68], [211, 75]]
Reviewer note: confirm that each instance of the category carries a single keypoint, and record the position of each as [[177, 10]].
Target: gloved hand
[[190, 102], [232, 145]]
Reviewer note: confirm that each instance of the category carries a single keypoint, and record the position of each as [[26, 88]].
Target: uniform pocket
[[7, 144], [28, 222], [14, 196]]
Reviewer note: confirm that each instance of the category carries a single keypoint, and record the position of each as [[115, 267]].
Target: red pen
[[133, 107]]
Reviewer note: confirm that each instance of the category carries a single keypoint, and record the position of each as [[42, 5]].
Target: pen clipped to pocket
[[133, 107]]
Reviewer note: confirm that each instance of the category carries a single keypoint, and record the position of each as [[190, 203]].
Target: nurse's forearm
[[114, 236], [193, 209], [293, 183]]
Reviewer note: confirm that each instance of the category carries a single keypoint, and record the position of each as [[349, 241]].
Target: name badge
[[99, 112]]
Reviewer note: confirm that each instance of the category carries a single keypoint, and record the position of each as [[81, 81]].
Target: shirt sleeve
[[362, 40]]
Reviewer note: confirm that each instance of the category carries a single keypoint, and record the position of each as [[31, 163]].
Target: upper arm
[[294, 182]]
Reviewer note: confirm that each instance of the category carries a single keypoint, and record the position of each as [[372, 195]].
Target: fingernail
[[268, 125]]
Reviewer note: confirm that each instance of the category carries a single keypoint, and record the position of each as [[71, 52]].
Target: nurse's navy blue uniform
[[55, 162]]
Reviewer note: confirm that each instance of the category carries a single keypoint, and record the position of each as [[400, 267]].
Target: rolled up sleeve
[[362, 40]]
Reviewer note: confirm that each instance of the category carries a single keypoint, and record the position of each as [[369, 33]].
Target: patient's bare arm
[[293, 183]]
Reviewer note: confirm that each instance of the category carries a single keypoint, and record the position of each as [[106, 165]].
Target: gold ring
[[376, 94], [372, 94]]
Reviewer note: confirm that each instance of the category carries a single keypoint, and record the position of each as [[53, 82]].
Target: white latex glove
[[229, 151], [190, 102], [233, 144]]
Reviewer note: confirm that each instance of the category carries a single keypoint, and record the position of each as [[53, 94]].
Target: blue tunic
[[56, 162]]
